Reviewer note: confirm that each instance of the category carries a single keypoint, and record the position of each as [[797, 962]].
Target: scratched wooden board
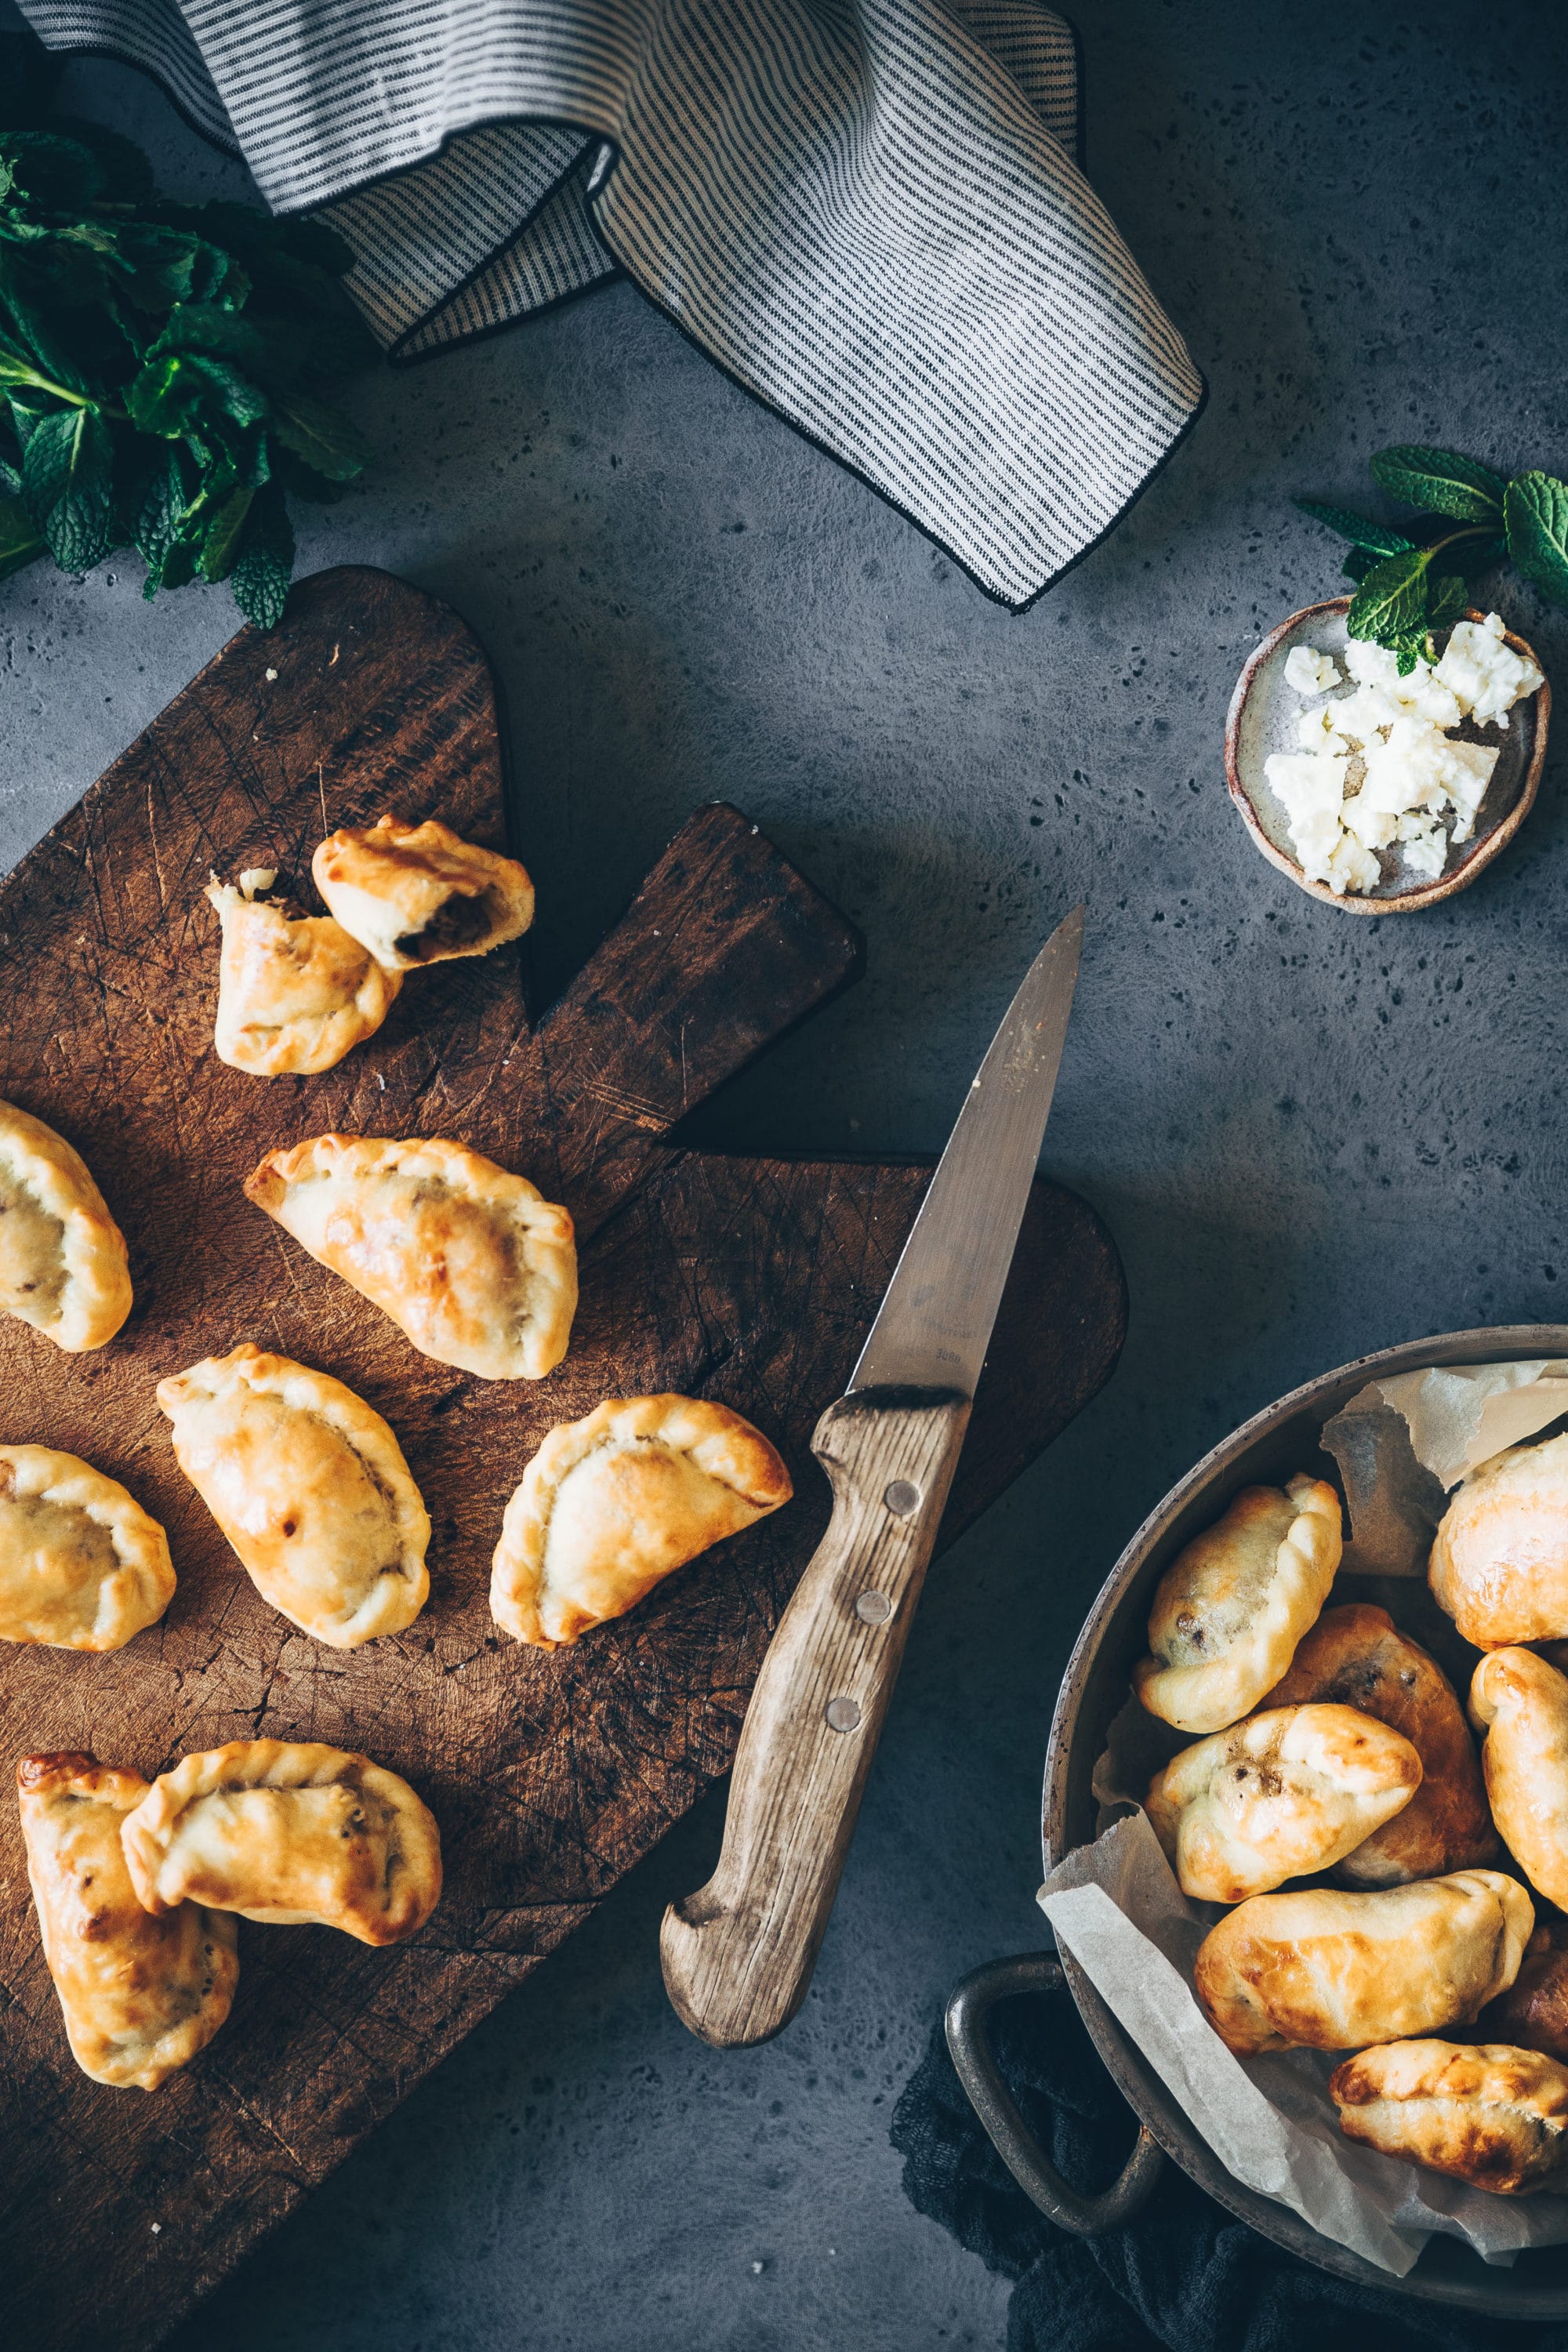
[[751, 1280]]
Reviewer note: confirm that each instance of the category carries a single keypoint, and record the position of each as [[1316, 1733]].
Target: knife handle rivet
[[903, 1497], [843, 1714], [874, 1606]]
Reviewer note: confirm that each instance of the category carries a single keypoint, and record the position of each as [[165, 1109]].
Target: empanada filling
[[32, 1254], [456, 923], [58, 1543]]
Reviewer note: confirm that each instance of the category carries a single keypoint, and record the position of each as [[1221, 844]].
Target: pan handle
[[1010, 2135]]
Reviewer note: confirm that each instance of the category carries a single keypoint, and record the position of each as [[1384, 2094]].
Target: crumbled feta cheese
[[1484, 672], [1374, 827], [1350, 867], [1310, 672], [1315, 730], [1425, 848], [1311, 787], [1404, 767]]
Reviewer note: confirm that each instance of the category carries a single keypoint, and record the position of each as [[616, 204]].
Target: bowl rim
[[1444, 886], [1455, 2277]]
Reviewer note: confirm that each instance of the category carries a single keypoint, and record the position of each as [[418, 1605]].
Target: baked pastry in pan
[[310, 1487], [83, 1566], [140, 1995], [292, 1833], [472, 1264], [1532, 2014], [1521, 1704], [1486, 2112], [610, 1504], [295, 992], [1499, 1559], [1279, 1796], [417, 894], [1319, 1970], [63, 1265], [1356, 1656], [1234, 1604]]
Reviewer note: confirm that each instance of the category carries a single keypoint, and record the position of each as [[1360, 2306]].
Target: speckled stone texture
[[1312, 1134]]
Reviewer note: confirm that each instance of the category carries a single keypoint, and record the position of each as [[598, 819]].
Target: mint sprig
[[166, 370], [1404, 591]]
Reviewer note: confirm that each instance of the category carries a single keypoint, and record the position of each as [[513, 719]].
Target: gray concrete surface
[[1312, 1134]]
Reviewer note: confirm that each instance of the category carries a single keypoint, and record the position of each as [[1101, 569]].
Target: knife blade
[[738, 1955]]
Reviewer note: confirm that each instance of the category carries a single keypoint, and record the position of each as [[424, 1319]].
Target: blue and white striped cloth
[[868, 211]]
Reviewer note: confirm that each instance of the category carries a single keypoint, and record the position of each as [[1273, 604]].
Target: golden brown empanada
[[141, 1996], [63, 1265], [1532, 2014], [417, 894], [1317, 1969], [294, 1834], [1277, 1797], [309, 1486], [610, 1504], [1521, 1704], [472, 1264], [295, 992], [83, 1566], [1485, 2112], [1499, 1559], [1357, 1657], [1231, 1606]]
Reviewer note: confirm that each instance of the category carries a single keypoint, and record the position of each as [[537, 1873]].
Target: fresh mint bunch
[[1408, 586], [164, 371]]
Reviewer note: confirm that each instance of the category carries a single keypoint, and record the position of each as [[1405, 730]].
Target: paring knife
[[738, 1954]]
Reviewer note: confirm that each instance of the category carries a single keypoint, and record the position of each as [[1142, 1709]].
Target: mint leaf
[[1392, 600], [220, 542], [320, 434], [260, 577], [1440, 481], [1358, 528], [20, 539], [66, 473], [1450, 602], [1537, 517]]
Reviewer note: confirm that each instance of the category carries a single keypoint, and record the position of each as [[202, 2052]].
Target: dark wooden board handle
[[738, 1954]]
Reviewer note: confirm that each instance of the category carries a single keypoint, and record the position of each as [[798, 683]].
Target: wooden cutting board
[[751, 1280]]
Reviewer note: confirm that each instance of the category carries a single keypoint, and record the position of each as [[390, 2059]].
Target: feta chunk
[[1350, 867], [1425, 846], [1405, 769], [1315, 730], [1483, 672], [1309, 786], [1467, 773], [1309, 671], [1374, 827]]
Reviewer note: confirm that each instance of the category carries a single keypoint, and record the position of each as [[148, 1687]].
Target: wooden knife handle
[[738, 1955]]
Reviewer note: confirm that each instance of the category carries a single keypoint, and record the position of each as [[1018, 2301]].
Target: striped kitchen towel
[[868, 211]]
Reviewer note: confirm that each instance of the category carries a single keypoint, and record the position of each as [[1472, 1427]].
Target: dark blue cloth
[[1182, 2276]]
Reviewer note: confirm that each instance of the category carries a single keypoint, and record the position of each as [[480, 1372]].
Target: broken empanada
[[1499, 1559], [310, 1487], [1358, 1657], [1317, 1969], [141, 1996], [1281, 1795], [63, 1265], [471, 1264], [83, 1566], [1532, 2014], [1234, 1604], [610, 1504], [295, 992], [294, 1834], [416, 894], [1486, 2113], [1521, 1704]]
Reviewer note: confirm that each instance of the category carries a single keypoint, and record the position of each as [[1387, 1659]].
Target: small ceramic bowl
[[1263, 714]]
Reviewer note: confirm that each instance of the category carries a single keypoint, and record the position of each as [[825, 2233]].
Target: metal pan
[[1265, 1450]]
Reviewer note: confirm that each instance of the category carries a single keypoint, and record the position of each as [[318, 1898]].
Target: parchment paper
[[1403, 1444], [1116, 1907]]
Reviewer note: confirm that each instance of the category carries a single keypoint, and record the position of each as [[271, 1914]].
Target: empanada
[[309, 1486], [293, 1834], [416, 894], [471, 1264], [1277, 1797], [141, 1995], [1521, 1704], [1317, 1969], [63, 1265], [1231, 1606], [1356, 1656], [1499, 1559], [1532, 2014], [295, 992], [1486, 2113], [83, 1566], [610, 1504]]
